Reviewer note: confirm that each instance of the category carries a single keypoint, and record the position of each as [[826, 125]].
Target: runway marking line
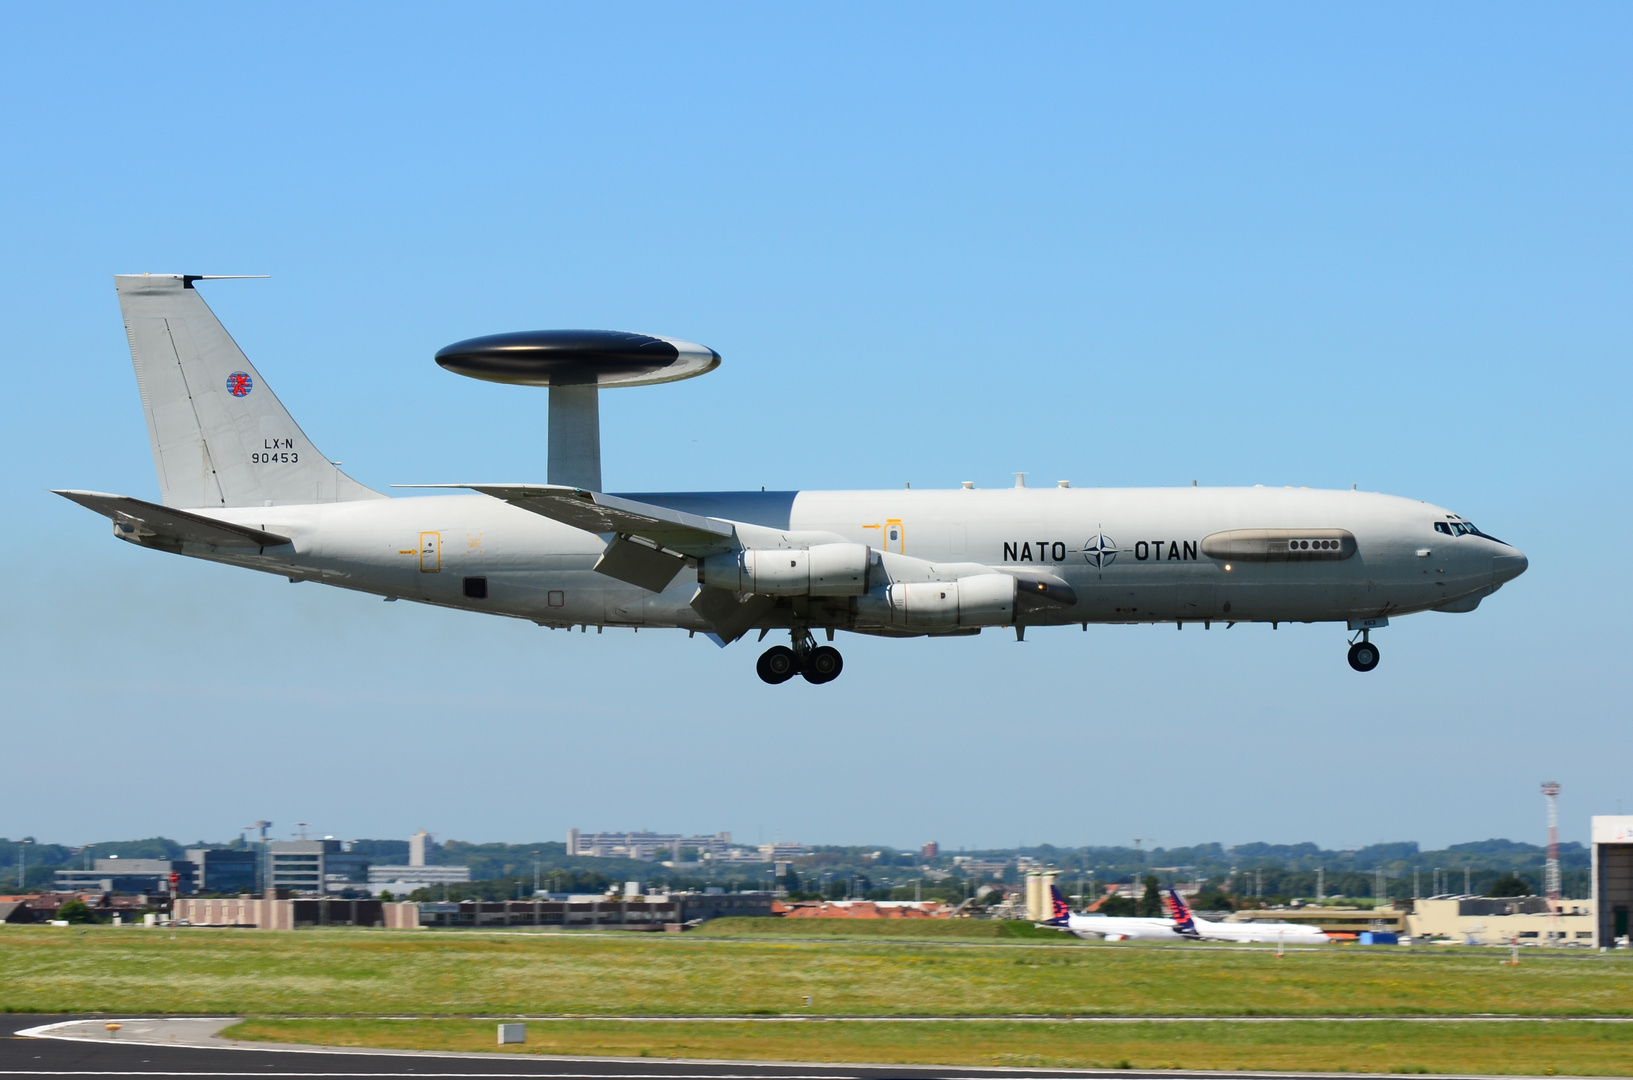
[[772, 1069]]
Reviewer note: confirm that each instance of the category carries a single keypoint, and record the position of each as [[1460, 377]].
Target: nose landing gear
[[819, 664], [1363, 655]]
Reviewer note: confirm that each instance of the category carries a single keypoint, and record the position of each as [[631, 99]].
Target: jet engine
[[977, 600], [820, 570]]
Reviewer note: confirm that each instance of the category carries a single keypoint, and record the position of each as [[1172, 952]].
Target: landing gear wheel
[[822, 665], [777, 664], [1363, 656]]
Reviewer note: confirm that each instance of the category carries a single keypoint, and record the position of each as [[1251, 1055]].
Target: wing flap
[[639, 564], [140, 521], [731, 615]]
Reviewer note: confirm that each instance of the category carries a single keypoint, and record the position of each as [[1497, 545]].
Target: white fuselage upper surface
[[1280, 933], [1121, 927], [1129, 555]]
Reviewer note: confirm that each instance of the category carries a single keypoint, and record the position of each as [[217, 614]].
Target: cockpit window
[[1456, 527]]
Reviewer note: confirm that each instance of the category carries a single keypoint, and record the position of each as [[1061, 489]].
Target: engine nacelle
[[821, 570], [978, 600]]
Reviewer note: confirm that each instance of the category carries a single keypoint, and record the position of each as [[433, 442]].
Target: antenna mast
[[1550, 789]]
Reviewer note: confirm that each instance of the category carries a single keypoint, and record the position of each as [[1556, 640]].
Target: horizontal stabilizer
[[592, 511], [140, 521]]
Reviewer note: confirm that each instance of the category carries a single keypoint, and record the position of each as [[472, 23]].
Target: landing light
[[1227, 568]]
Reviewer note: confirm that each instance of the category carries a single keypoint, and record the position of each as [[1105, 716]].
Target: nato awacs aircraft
[[240, 483]]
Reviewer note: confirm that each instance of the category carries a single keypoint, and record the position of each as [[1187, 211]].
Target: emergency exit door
[[430, 552]]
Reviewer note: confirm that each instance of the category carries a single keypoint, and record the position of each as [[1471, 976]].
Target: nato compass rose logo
[[1100, 551], [239, 384]]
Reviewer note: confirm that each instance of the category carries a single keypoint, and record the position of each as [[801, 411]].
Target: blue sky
[[1122, 245]]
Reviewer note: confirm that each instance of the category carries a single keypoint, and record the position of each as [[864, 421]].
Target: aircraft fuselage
[[1130, 555], [242, 484]]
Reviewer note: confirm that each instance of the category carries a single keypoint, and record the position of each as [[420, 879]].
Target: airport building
[[645, 845], [130, 876], [982, 868], [670, 912], [224, 870], [402, 880], [1501, 920], [1612, 879], [1329, 920], [1471, 920], [253, 913], [212, 870], [314, 866]]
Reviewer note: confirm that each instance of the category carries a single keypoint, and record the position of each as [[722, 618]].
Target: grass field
[[1514, 1047], [373, 973]]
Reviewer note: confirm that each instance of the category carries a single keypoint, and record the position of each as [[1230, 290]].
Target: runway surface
[[116, 1054], [110, 1057]]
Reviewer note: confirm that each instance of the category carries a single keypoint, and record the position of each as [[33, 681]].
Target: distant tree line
[[1245, 874]]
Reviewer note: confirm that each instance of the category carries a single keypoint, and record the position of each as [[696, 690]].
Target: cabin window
[[476, 588]]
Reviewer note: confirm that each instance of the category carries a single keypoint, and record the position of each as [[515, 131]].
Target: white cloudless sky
[[1380, 244]]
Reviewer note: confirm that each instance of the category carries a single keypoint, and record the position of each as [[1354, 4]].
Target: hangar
[[1612, 878]]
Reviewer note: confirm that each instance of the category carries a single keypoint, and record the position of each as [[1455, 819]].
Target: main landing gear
[[819, 664], [1363, 655]]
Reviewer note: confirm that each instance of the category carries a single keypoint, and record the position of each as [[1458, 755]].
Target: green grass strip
[[1580, 1048], [378, 973]]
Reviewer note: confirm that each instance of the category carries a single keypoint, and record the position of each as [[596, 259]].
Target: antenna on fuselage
[[575, 365]]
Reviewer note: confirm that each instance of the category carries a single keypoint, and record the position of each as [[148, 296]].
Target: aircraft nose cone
[[1508, 567]]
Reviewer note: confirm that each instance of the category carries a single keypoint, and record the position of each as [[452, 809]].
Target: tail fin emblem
[[1180, 912], [239, 384], [1059, 910]]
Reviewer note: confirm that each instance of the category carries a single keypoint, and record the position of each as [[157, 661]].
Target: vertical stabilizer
[[1180, 912], [220, 437], [1060, 912]]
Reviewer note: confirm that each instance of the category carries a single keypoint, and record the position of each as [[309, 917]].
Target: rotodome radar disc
[[578, 358]]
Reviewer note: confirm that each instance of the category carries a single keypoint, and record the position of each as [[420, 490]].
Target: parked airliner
[[1279, 933], [1180, 925], [240, 483], [1109, 927]]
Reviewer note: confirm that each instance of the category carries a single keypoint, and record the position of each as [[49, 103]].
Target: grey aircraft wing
[[593, 511]]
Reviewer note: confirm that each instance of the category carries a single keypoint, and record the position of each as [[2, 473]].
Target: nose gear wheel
[[1363, 655]]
